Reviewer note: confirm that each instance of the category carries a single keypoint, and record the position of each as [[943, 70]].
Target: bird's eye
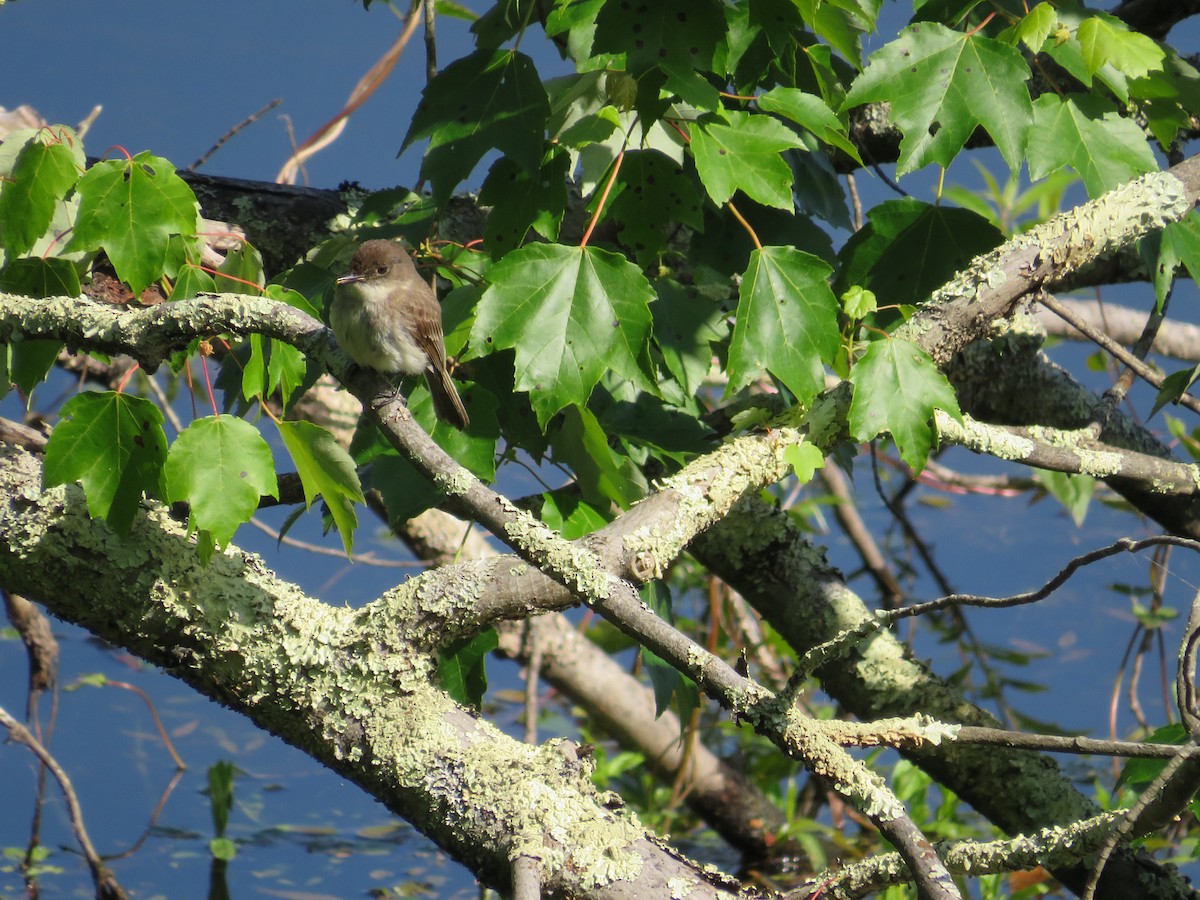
[[381, 270]]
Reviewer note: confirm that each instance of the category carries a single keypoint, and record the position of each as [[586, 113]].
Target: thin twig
[[367, 85], [369, 559], [1123, 545], [249, 120], [1109, 345], [106, 883]]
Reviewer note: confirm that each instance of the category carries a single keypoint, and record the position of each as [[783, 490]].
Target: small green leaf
[[132, 209], [462, 669], [115, 446], [1034, 28], [805, 459], [858, 302], [490, 100], [325, 470], [592, 315], [744, 155], [1105, 40], [221, 467], [896, 388], [786, 322], [942, 86], [222, 849], [44, 172]]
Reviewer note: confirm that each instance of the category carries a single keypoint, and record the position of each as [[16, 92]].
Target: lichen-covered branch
[[344, 685]]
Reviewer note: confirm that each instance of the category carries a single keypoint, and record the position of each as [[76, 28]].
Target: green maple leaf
[[572, 314], [1180, 244], [786, 322], [656, 195], [896, 389], [44, 171], [492, 99], [1105, 39], [602, 476], [221, 467], [1086, 133], [943, 85], [686, 324], [132, 208], [667, 32], [909, 248], [811, 112], [115, 446], [1034, 28], [521, 200], [742, 153], [327, 471]]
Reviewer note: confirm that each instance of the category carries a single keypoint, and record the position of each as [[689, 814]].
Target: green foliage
[[490, 99], [115, 446], [708, 139], [942, 85], [592, 309], [220, 796], [131, 210], [462, 669], [325, 471], [786, 322], [221, 467], [896, 389]]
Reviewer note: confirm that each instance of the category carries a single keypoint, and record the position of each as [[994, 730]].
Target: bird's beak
[[350, 279]]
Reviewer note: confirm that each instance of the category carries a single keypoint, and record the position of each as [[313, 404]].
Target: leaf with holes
[[742, 153], [942, 86], [786, 322], [490, 100], [661, 32], [131, 209]]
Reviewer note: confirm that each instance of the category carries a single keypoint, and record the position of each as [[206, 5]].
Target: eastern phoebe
[[388, 319]]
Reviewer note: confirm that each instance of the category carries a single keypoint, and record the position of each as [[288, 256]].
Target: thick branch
[[343, 685]]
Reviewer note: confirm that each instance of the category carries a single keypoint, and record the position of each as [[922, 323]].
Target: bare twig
[[106, 883], [367, 85], [249, 120]]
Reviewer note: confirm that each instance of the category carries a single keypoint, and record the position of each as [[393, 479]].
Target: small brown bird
[[388, 319]]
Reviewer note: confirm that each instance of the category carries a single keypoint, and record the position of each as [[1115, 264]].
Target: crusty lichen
[[575, 566]]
